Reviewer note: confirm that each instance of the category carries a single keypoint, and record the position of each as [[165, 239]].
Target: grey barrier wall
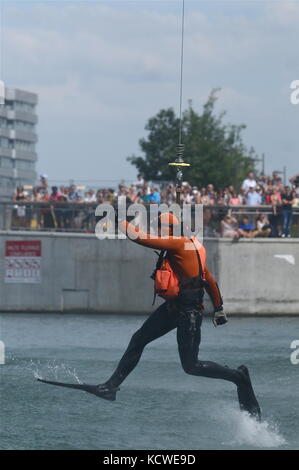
[[78, 272]]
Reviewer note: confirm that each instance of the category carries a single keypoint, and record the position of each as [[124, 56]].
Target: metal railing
[[80, 217]]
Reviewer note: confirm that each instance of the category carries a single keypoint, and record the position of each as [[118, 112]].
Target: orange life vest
[[166, 282]]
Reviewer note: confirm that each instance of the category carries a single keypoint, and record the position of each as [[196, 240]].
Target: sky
[[103, 68]]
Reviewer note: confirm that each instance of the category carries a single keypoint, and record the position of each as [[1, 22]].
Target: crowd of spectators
[[221, 205]]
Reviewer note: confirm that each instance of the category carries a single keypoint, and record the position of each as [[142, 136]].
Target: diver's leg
[[188, 336], [160, 322]]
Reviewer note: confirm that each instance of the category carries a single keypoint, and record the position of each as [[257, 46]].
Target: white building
[[17, 141]]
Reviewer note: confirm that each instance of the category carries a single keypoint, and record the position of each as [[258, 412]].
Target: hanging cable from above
[[182, 66], [179, 162]]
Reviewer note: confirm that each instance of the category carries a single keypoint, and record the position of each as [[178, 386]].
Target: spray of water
[[245, 431], [50, 369], [58, 371]]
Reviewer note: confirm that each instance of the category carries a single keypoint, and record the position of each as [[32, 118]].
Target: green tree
[[215, 150]]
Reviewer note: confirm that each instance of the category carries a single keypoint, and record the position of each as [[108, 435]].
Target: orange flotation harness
[[167, 283]]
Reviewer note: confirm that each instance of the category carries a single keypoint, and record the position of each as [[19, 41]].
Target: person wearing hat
[[184, 266], [187, 258]]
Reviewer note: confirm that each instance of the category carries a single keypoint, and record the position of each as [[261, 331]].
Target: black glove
[[220, 317]]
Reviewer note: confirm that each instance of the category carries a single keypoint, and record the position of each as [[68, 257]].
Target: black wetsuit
[[183, 313]]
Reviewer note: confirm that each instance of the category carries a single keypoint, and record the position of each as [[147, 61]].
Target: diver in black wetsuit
[[183, 313]]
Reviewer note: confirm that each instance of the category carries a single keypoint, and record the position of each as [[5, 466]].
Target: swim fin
[[101, 390], [246, 396]]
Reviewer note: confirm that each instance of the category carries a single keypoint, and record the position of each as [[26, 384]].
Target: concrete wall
[[260, 275], [80, 272]]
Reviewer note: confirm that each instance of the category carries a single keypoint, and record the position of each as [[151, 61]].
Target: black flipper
[[101, 390], [247, 398]]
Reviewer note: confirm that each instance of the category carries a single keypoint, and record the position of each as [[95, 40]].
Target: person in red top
[[55, 195], [183, 313]]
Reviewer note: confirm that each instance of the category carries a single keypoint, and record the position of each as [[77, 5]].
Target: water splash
[[33, 367], [246, 431], [50, 369], [68, 371], [55, 370]]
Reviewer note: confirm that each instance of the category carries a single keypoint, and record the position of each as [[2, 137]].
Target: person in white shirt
[[89, 196], [140, 182], [249, 182]]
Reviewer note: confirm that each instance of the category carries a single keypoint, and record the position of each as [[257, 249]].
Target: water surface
[[159, 406]]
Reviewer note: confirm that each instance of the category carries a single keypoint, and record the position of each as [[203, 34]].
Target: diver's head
[[166, 221]]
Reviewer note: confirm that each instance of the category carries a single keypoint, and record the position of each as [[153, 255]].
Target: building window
[[4, 142], [22, 106], [3, 123], [9, 105], [24, 165], [23, 125], [22, 145], [6, 183], [6, 162]]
